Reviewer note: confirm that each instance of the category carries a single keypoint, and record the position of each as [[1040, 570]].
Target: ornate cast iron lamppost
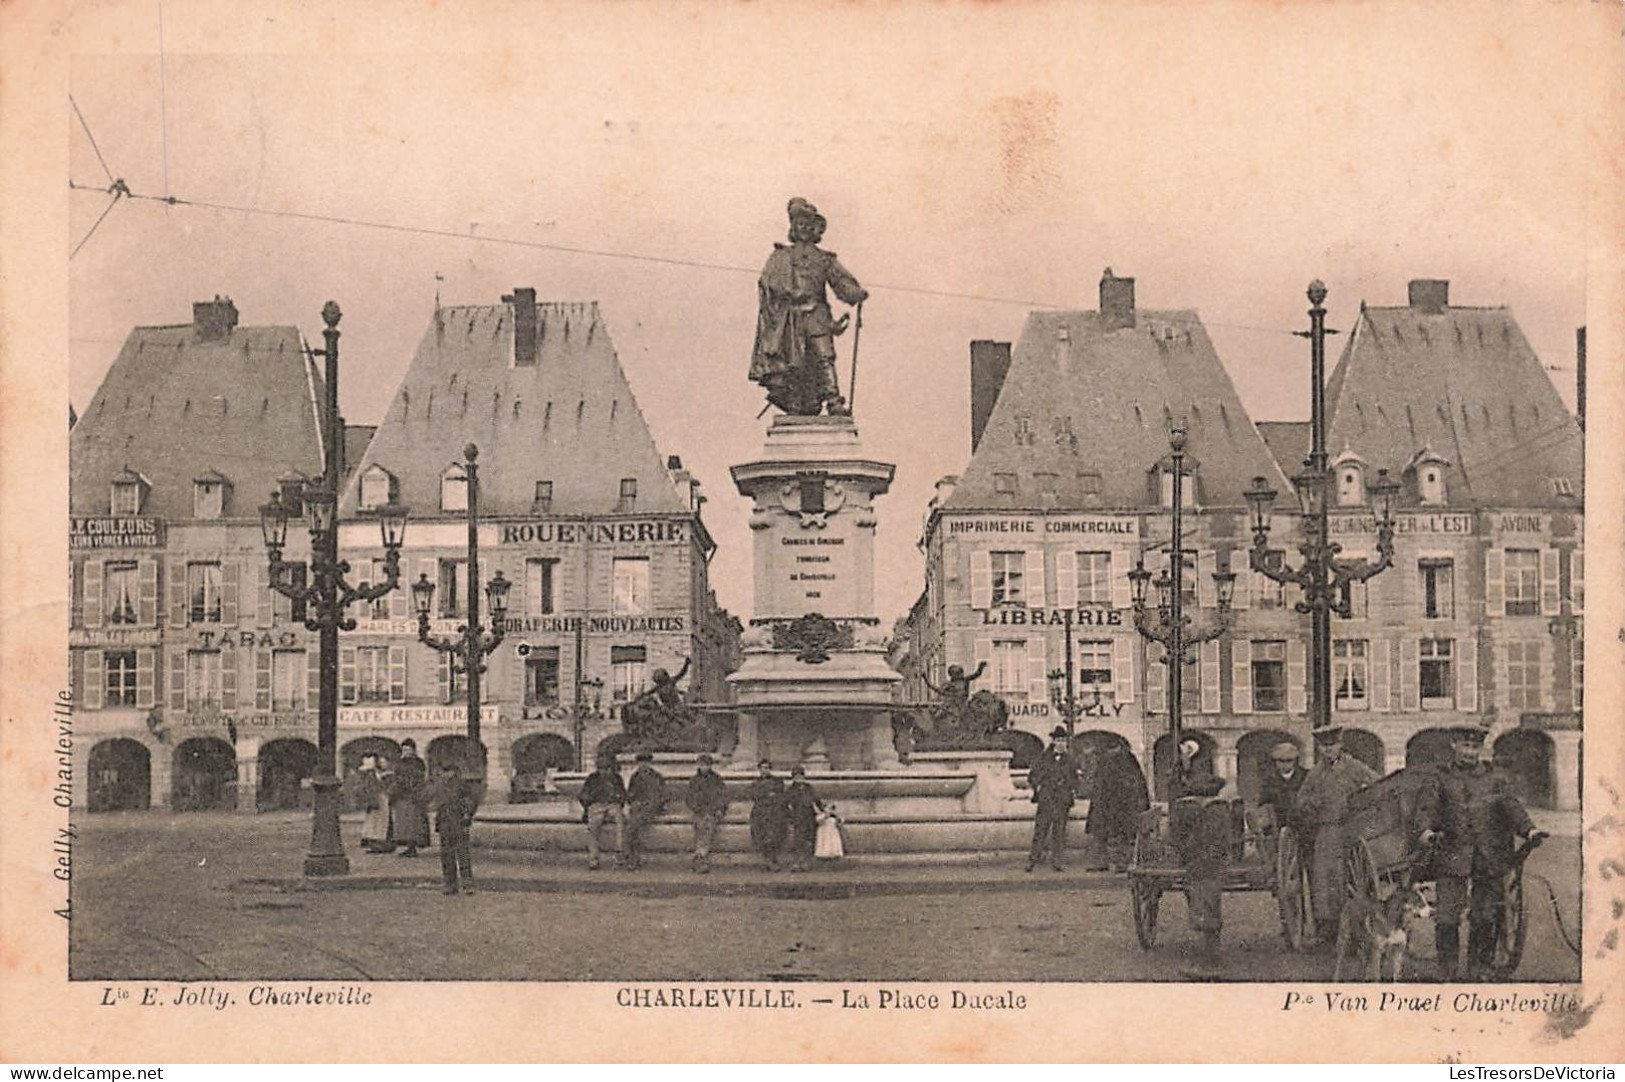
[[326, 597], [473, 643], [1170, 626], [1323, 576]]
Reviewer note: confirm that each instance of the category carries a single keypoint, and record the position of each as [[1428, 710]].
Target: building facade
[[1067, 490], [204, 679]]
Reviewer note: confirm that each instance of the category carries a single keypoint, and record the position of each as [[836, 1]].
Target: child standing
[[830, 848]]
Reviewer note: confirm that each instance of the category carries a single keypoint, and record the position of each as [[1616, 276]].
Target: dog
[[1378, 930]]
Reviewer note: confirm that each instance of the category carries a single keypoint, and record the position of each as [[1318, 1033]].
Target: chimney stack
[[1580, 376], [214, 320], [989, 364], [523, 300], [1430, 295], [1116, 302]]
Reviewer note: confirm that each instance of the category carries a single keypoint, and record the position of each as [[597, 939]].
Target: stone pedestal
[[814, 687]]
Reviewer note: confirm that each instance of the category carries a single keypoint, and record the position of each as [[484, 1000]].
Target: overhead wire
[[85, 125]]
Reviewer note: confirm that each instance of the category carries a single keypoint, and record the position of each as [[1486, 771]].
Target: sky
[[1006, 153]]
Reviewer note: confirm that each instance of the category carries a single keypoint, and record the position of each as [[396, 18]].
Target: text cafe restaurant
[[1003, 586]]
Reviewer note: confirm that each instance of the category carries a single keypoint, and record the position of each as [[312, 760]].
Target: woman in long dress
[[375, 799], [829, 848]]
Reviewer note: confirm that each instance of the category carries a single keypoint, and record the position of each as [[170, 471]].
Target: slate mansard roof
[[1465, 384], [569, 418], [175, 406], [1119, 390]]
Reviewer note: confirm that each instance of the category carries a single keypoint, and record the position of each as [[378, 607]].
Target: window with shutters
[[120, 678], [453, 577], [1094, 672], [1187, 489], [1269, 675], [628, 671], [539, 587], [372, 674], [119, 592], [1579, 665], [1351, 673], [378, 609], [1267, 593], [542, 676], [1010, 668], [1523, 582], [1523, 675], [208, 499], [203, 592], [630, 582], [1438, 588], [288, 679], [287, 608], [1094, 578], [453, 680], [1009, 571], [203, 678], [454, 488], [126, 498], [1577, 580], [1437, 674]]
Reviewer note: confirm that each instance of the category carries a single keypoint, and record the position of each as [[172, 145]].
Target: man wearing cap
[[707, 800], [645, 799], [1322, 802], [1279, 790], [1201, 833], [801, 805], [603, 801], [794, 356], [1476, 818], [1054, 780]]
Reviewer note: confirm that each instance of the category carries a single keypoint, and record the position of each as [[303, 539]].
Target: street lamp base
[[326, 856]]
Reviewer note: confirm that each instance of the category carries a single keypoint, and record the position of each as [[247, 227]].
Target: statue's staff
[[852, 384]]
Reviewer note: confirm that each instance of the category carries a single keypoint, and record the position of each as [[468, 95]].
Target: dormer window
[[291, 487], [1350, 486], [542, 501], [377, 488], [1164, 471], [129, 492], [629, 491], [454, 488], [1429, 467], [209, 496]]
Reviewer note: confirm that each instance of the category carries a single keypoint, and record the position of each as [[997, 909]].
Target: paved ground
[[194, 897]]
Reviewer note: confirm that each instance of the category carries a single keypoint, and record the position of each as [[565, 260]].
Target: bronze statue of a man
[[794, 359]]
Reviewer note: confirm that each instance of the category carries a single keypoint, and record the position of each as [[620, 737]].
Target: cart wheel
[[1292, 890], [1512, 928], [1361, 879], [1146, 895]]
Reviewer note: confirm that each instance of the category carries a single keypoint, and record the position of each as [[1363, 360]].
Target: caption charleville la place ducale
[[863, 999]]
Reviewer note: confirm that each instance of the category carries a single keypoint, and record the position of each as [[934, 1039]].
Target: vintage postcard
[[812, 531]]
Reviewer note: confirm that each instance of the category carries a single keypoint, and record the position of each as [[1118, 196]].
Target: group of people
[[1118, 796], [397, 801], [787, 822], [1467, 820]]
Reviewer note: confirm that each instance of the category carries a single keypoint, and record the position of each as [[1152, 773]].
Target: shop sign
[[560, 712], [244, 723], [115, 636], [388, 717], [1550, 722], [1419, 523], [1080, 617], [593, 624], [445, 627], [617, 532], [1511, 523], [115, 532], [263, 640], [1046, 527]]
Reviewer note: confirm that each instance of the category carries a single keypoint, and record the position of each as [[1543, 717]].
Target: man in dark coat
[[769, 815], [645, 799], [1114, 811], [1054, 780], [408, 812], [454, 817], [603, 801], [801, 805], [1476, 819], [1321, 805], [707, 800]]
